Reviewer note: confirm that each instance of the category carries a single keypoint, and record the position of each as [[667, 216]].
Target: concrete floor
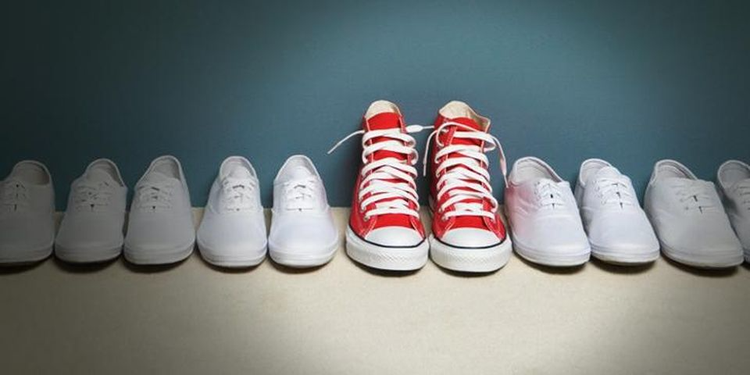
[[344, 319]]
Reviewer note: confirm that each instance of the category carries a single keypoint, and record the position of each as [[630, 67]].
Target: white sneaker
[[543, 216], [619, 231], [302, 230], [27, 208], [92, 228], [160, 229], [233, 230], [734, 184], [689, 219]]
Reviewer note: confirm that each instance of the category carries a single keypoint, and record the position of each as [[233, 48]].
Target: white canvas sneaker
[[734, 185], [233, 230], [303, 233], [689, 219], [619, 231], [544, 220], [160, 229], [93, 225], [27, 208]]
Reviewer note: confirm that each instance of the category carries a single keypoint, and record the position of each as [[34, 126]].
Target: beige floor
[[343, 319]]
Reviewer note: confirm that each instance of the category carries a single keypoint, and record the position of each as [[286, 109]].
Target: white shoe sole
[[386, 258], [723, 261], [470, 260], [624, 258], [87, 256], [297, 259], [147, 257], [216, 258], [552, 260], [26, 257]]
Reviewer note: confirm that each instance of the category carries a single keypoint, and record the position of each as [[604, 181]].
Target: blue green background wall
[[628, 81]]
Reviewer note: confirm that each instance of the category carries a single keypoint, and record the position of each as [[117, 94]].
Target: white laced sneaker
[[93, 225], [233, 230], [303, 233], [543, 216], [689, 219], [160, 229], [619, 231], [27, 207], [734, 183]]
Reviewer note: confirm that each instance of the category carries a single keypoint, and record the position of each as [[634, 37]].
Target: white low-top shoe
[[734, 184], [92, 228], [303, 233], [689, 219], [233, 230], [160, 229], [619, 231], [27, 208], [543, 216]]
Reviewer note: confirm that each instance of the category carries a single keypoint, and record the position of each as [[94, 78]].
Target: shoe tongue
[[298, 173], [98, 175], [469, 123], [383, 121], [156, 177], [465, 221], [239, 173], [606, 172]]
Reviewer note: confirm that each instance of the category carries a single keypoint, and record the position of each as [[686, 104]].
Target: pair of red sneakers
[[385, 230]]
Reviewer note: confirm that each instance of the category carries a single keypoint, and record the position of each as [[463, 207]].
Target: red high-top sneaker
[[384, 228], [467, 233]]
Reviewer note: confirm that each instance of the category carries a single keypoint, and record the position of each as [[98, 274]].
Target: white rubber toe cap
[[470, 238], [395, 237]]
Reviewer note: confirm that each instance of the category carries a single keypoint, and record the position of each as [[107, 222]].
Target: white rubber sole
[[26, 257], [386, 258], [470, 260], [147, 257], [217, 258], [711, 262], [624, 258], [294, 259], [87, 256], [553, 260]]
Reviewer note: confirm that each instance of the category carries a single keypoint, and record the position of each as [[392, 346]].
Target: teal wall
[[627, 81]]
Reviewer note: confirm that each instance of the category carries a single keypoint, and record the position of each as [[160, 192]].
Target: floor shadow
[[230, 270], [84, 267], [154, 268], [571, 270], [13, 269], [383, 273], [466, 275], [292, 270], [704, 272], [622, 269]]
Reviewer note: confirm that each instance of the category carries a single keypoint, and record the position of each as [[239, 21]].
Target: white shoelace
[[14, 196], [549, 195], [743, 190], [300, 194], [467, 177], [238, 194], [615, 191], [92, 196], [155, 196], [388, 181], [695, 195]]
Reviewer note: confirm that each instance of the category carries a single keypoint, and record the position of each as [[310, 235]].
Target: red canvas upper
[[441, 224], [359, 225]]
